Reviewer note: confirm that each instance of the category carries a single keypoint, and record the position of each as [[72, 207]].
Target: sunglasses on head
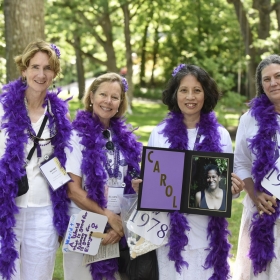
[[109, 145]]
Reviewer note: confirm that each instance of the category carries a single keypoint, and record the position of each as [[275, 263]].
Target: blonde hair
[[108, 77], [22, 61]]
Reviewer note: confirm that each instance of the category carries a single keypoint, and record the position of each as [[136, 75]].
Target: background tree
[[257, 24], [24, 22]]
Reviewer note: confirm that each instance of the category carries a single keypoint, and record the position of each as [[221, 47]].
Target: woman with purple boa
[[256, 153], [198, 245], [32, 218], [105, 154]]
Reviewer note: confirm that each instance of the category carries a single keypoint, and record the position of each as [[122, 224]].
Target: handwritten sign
[[78, 236], [153, 226], [271, 181], [163, 170]]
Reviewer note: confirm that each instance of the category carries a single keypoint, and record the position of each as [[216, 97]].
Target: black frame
[[187, 188]]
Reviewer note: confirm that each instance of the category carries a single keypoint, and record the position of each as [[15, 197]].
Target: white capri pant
[[37, 243]]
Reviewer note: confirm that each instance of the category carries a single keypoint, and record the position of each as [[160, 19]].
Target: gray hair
[[271, 59]]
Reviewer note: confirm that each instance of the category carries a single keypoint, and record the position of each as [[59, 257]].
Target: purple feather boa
[[177, 134], [15, 122], [90, 128], [262, 145]]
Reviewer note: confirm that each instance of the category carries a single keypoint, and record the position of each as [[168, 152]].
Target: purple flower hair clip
[[177, 69], [125, 84], [56, 50]]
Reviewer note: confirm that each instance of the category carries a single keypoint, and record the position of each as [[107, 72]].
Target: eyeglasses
[[109, 145]]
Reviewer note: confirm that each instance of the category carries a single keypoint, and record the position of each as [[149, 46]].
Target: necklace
[[32, 134], [112, 168], [111, 165]]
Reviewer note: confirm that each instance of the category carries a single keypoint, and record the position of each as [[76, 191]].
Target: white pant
[[37, 243]]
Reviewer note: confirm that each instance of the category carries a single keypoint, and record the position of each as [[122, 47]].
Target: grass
[[147, 115]]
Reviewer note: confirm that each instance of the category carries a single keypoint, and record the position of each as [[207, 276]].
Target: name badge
[[113, 202], [54, 173]]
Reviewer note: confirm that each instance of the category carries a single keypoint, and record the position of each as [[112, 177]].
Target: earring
[[23, 79], [90, 105]]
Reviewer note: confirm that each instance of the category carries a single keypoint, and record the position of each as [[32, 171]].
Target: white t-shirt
[[38, 194]]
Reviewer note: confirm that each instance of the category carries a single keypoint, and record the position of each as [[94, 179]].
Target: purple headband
[[125, 84], [56, 50], [177, 69]]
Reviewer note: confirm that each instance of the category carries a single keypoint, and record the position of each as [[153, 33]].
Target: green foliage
[[149, 93]]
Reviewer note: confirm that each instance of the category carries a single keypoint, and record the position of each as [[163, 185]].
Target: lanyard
[[36, 141]]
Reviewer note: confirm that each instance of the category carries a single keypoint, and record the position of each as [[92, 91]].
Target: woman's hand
[[135, 184], [115, 222], [237, 184], [111, 237], [264, 202]]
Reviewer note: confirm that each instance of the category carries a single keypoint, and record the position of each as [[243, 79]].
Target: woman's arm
[[79, 196], [197, 199]]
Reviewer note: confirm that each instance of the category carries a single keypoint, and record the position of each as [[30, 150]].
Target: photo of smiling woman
[[212, 197]]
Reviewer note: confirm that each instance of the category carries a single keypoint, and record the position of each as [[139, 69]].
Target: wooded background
[[145, 39]]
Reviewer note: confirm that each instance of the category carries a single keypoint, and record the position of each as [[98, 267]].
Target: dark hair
[[211, 167], [210, 88], [271, 59]]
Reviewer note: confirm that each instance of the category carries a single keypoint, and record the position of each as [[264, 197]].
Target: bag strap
[[36, 141]]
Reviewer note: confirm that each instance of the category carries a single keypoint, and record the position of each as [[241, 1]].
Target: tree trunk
[[107, 28], [250, 50], [263, 7], [143, 57], [155, 53], [24, 22], [79, 66], [128, 54]]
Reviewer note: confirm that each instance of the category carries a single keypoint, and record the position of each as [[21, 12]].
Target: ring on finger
[[269, 202]]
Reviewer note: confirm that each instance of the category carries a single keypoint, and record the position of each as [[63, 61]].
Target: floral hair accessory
[[125, 84], [177, 69], [56, 50]]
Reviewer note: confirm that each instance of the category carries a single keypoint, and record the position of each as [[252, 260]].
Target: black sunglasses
[[109, 145]]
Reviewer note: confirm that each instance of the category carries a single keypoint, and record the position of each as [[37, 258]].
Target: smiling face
[[213, 179], [39, 74], [190, 96], [271, 82], [106, 101]]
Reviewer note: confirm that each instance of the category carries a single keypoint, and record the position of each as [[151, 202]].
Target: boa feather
[[177, 135], [94, 157], [262, 145], [15, 122]]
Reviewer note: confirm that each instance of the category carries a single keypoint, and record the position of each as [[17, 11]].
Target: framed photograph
[[186, 181], [207, 189]]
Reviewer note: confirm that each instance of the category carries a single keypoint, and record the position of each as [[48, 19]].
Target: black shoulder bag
[[23, 181]]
